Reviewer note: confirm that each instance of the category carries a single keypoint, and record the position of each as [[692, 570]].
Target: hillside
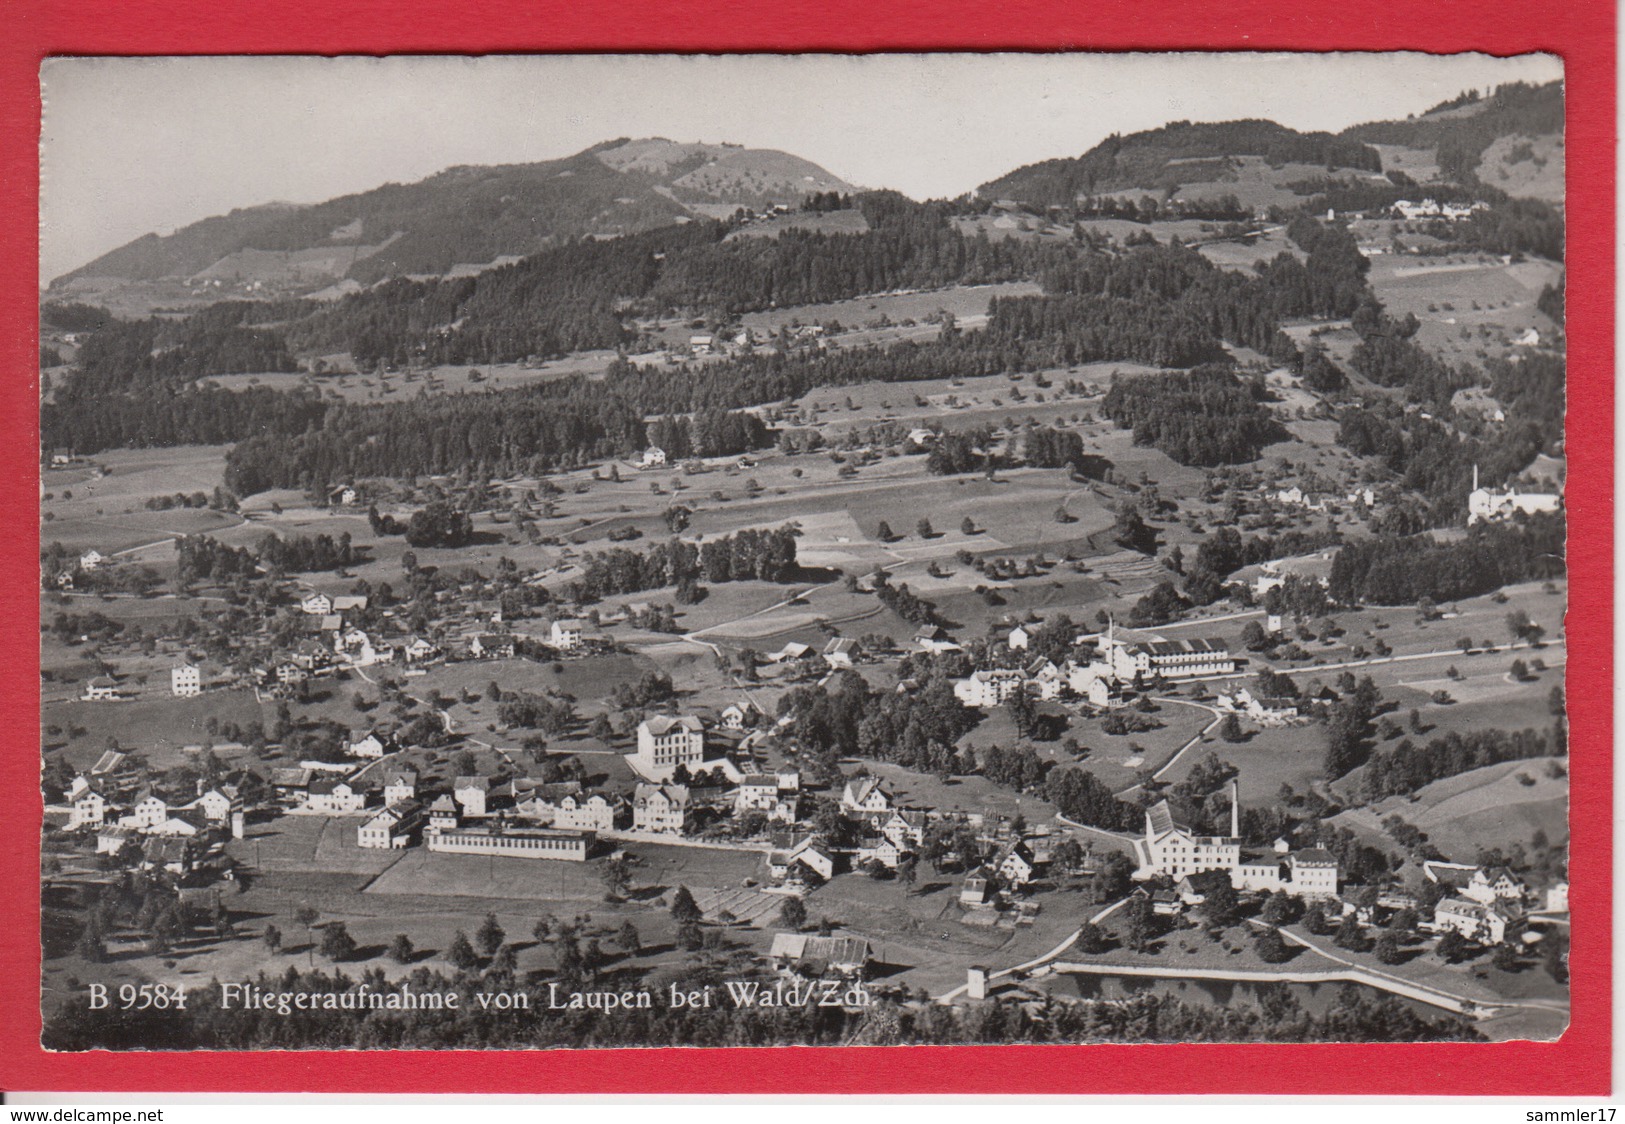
[[462, 216], [1174, 155], [1509, 139]]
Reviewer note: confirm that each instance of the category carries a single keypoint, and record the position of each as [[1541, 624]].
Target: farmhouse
[[653, 457], [738, 715], [103, 688], [1496, 886], [866, 796], [522, 843], [91, 559], [841, 652], [372, 745], [665, 743], [815, 957], [419, 650], [317, 605], [498, 645], [185, 681], [1016, 865], [1018, 639], [344, 495]]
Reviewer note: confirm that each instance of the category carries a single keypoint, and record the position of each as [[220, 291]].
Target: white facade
[[185, 681], [660, 808], [566, 635], [665, 743], [989, 688]]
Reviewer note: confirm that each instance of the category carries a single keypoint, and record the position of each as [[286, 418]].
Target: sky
[[131, 146]]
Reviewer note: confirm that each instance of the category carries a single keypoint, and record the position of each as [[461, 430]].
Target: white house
[[149, 812], [317, 605], [420, 650], [653, 457], [103, 688], [369, 746], [566, 635], [665, 743], [866, 796], [738, 715], [1046, 680], [400, 785], [89, 807], [990, 687], [1018, 639], [660, 808], [218, 804], [1016, 865], [91, 559], [334, 798], [470, 794], [185, 681], [391, 829], [586, 812], [1496, 886], [1305, 874], [756, 793]]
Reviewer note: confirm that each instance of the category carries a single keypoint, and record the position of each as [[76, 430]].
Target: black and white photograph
[[924, 549]]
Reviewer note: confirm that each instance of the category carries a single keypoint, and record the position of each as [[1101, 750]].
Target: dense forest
[[1402, 571], [1407, 767], [1205, 416], [745, 555]]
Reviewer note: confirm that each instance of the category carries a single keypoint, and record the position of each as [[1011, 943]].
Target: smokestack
[[1475, 478], [1235, 809]]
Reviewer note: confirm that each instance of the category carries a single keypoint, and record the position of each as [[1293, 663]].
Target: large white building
[[660, 808], [1484, 505], [1175, 850], [665, 743], [523, 843], [1171, 659]]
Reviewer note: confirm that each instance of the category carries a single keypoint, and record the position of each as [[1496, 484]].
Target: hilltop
[[462, 216], [1509, 140]]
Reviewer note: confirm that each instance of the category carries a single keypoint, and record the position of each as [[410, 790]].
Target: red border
[[1582, 31]]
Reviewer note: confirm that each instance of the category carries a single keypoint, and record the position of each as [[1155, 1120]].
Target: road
[[1037, 962]]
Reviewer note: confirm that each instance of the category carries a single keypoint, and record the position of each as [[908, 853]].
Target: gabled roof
[[461, 784], [1160, 818], [662, 724]]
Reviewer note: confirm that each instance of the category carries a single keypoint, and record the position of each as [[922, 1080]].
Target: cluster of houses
[[1105, 679], [1411, 211], [1489, 904], [1486, 905], [1321, 501], [121, 812], [89, 562]]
